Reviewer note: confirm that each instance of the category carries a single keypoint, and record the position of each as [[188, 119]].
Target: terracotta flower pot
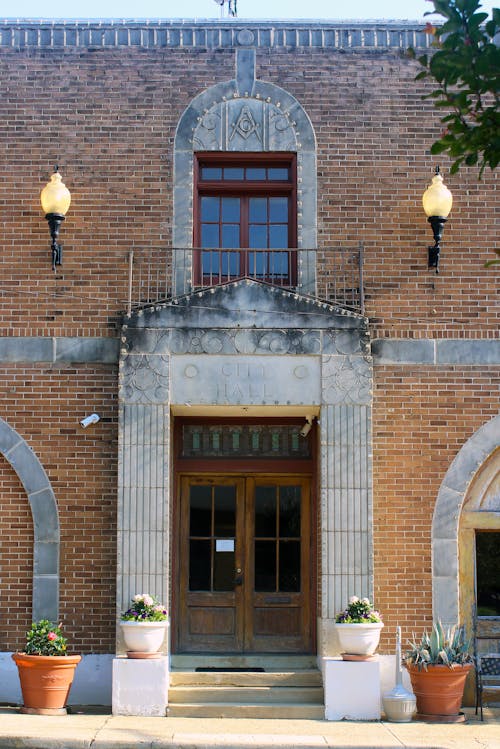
[[440, 689], [45, 681]]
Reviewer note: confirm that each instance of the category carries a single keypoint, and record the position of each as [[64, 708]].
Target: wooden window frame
[[245, 189]]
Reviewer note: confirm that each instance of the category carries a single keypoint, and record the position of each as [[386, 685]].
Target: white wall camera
[[88, 420]]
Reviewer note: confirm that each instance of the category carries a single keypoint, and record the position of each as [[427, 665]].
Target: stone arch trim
[[245, 114], [43, 506], [445, 523]]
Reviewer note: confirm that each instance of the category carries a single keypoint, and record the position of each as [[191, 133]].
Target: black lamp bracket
[[437, 223], [55, 220]]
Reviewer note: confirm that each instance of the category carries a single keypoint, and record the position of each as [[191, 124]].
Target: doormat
[[224, 670]]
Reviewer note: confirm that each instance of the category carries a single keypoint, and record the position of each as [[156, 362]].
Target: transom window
[[245, 218]]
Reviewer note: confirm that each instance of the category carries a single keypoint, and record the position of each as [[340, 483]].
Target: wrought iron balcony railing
[[332, 274]]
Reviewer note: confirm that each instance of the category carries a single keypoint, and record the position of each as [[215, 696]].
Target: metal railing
[[334, 274]]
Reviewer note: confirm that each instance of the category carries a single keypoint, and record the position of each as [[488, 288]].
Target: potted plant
[[358, 629], [45, 669], [143, 626], [438, 666]]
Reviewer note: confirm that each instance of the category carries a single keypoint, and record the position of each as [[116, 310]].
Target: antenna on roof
[[231, 7]]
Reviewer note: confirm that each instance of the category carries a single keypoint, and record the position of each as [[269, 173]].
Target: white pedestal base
[[352, 689], [140, 687]]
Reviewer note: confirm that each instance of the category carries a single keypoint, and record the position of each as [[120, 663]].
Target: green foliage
[[145, 608], [441, 647], [466, 65], [358, 611], [45, 638]]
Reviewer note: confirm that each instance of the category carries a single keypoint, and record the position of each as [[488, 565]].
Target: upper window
[[245, 221]]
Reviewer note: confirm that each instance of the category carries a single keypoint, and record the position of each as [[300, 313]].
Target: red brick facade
[[108, 116]]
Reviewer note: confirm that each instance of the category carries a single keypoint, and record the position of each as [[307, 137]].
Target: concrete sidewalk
[[89, 730]]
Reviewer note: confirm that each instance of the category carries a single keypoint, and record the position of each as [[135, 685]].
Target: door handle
[[238, 580]]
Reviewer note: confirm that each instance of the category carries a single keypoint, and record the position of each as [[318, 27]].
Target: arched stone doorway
[[467, 499], [45, 521]]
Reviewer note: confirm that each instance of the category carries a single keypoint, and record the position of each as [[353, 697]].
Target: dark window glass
[[210, 235], [257, 210], [199, 565], [265, 512], [278, 236], [225, 511], [223, 570], [230, 210], [290, 511], [230, 235], [289, 577], [200, 514], [488, 573], [265, 566]]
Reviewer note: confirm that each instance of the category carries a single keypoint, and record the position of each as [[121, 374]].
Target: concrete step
[[234, 710], [245, 695], [287, 694], [302, 678], [269, 661]]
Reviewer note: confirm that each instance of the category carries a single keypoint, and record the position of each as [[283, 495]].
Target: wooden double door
[[244, 573]]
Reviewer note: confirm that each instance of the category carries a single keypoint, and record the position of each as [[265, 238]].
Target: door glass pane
[[257, 236], [488, 573], [265, 511], [200, 511], [224, 511], [199, 564], [230, 235], [290, 512], [278, 209], [230, 263], [289, 577], [257, 210], [210, 208], [210, 235], [278, 236], [265, 566], [223, 570], [230, 209], [278, 264]]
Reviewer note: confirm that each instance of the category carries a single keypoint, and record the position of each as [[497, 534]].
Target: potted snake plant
[[438, 665]]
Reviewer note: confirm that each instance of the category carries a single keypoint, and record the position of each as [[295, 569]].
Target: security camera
[[88, 420], [307, 426]]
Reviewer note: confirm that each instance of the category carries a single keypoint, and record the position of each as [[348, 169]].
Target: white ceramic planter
[[359, 639], [144, 638]]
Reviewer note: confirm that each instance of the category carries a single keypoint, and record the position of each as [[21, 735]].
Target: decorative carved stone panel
[[346, 379]]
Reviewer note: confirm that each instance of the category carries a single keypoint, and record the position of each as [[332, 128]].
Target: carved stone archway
[[446, 520], [45, 521], [245, 115]]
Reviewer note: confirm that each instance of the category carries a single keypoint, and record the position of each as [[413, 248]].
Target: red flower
[[51, 636]]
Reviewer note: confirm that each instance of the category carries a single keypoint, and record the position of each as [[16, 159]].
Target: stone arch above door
[[43, 506], [445, 524], [244, 115]]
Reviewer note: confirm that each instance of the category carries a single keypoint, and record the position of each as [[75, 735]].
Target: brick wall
[[421, 420], [44, 405], [108, 117]]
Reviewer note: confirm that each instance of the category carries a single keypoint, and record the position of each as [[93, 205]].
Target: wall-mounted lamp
[[307, 426], [437, 201], [55, 199]]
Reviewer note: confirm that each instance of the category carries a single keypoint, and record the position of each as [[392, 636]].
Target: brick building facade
[[395, 366]]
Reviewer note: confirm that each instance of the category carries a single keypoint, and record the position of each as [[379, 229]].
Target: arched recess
[[45, 521], [245, 115], [468, 470]]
